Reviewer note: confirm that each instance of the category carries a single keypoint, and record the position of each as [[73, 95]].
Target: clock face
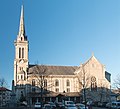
[[21, 61], [93, 79]]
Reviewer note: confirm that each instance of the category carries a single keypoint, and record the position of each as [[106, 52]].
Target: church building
[[57, 83]]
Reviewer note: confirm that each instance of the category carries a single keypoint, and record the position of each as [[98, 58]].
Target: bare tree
[[83, 79], [3, 84], [101, 91], [40, 76], [117, 83], [85, 82]]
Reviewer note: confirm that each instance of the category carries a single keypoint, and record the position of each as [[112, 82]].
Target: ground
[[33, 108], [98, 108]]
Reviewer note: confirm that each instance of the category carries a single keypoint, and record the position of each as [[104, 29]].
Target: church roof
[[53, 70]]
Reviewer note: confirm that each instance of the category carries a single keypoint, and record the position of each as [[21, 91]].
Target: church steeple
[[21, 34], [22, 26], [21, 52]]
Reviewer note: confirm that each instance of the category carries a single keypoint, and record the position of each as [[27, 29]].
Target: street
[[98, 108], [33, 108]]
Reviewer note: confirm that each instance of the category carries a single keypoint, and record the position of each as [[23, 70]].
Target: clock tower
[[21, 53]]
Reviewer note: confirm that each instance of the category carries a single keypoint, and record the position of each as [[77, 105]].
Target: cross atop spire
[[22, 26], [92, 53]]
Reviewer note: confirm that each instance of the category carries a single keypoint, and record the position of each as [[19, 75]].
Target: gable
[[92, 68], [94, 65], [93, 61]]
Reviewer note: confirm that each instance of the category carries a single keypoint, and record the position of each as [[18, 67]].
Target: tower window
[[19, 52], [22, 52], [21, 76]]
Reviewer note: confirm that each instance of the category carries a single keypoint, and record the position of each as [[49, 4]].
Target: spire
[[22, 26]]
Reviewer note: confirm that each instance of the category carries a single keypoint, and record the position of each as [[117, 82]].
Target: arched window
[[22, 52], [19, 52], [33, 82], [21, 77], [56, 82], [93, 84], [68, 83]]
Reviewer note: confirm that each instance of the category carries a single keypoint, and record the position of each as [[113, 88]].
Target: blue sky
[[62, 32]]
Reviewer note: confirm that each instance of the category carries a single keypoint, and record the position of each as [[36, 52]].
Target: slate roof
[[4, 89], [53, 70]]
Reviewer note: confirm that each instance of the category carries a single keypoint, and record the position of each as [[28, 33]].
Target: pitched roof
[[53, 70], [4, 89], [92, 58]]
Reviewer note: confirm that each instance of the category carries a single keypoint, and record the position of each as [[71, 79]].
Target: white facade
[[59, 78]]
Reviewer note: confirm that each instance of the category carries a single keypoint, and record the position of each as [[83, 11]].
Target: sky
[[61, 32]]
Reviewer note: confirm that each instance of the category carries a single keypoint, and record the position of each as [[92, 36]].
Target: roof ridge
[[54, 65]]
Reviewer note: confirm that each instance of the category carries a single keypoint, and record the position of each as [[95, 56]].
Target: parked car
[[108, 105], [37, 105], [70, 105], [81, 106], [52, 104], [48, 106], [102, 104], [90, 102], [115, 105], [99, 104], [59, 104]]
